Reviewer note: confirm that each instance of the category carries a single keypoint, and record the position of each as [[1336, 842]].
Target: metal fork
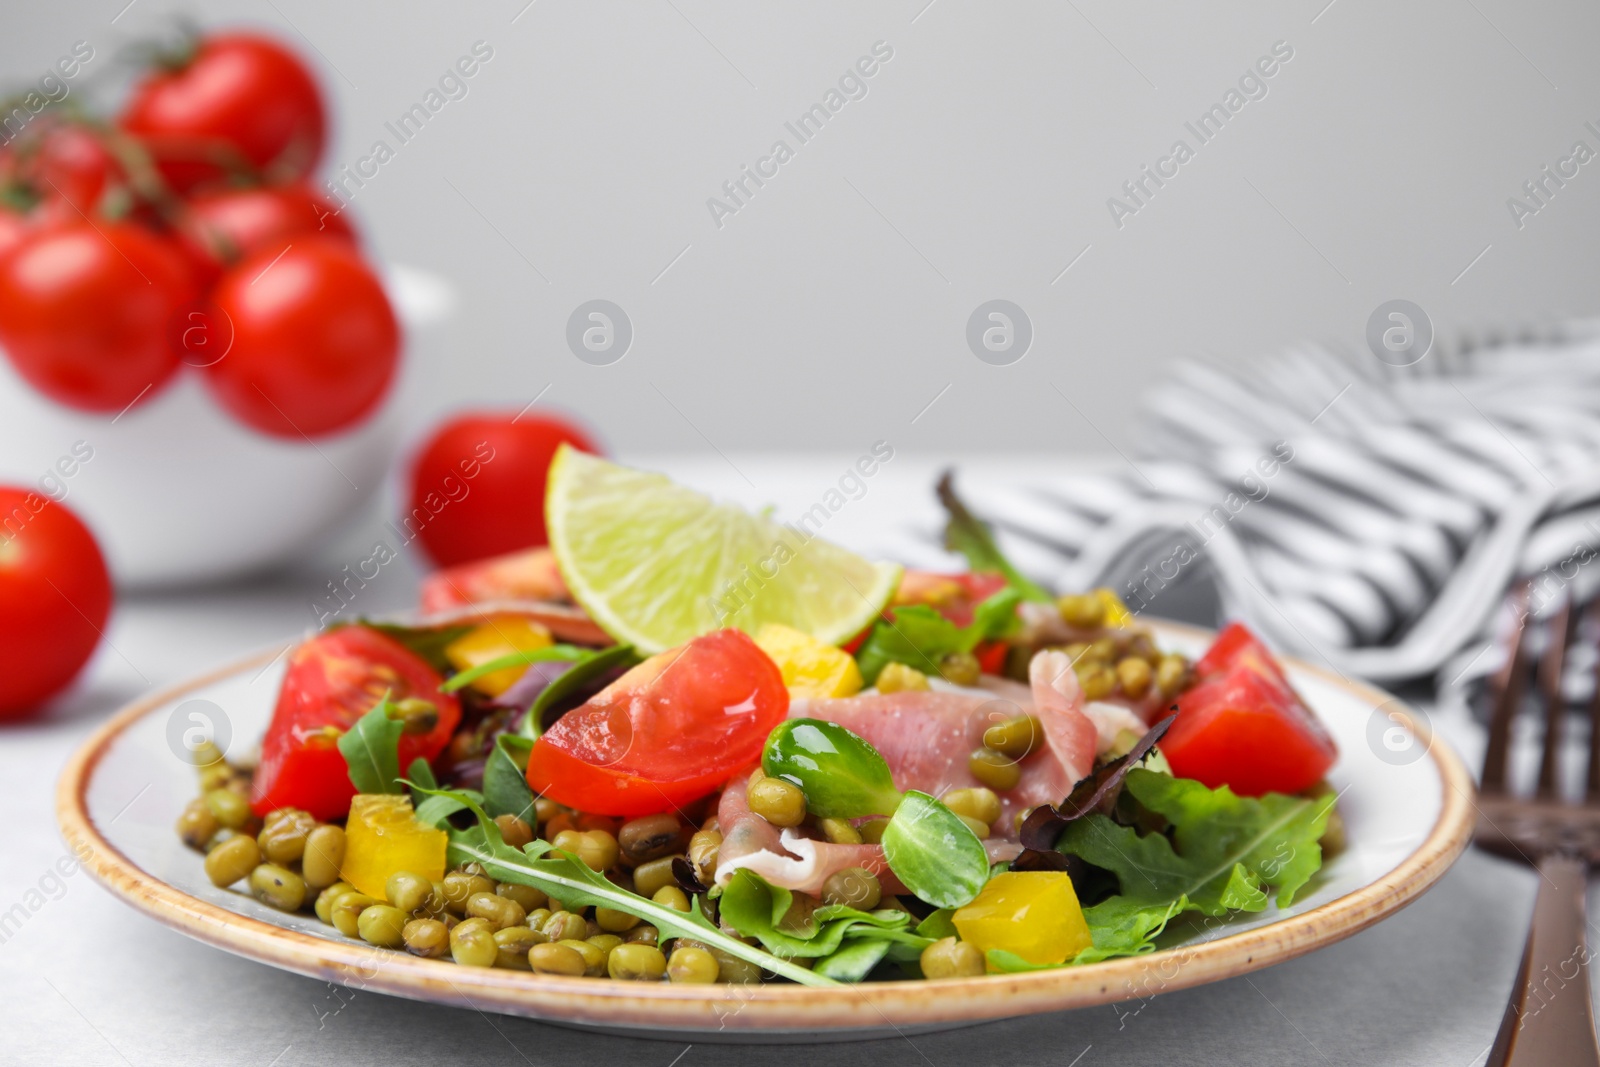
[[1548, 1019]]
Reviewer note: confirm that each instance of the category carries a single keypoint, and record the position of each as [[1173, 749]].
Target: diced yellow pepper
[[1117, 613], [498, 637], [924, 587], [383, 836], [1034, 914], [810, 667]]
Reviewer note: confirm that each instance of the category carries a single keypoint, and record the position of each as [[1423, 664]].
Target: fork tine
[[1592, 792], [1507, 693], [1555, 709]]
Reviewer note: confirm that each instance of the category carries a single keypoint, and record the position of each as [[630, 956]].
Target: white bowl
[[178, 493]]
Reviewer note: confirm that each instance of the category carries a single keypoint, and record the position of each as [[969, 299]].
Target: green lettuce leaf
[[920, 637], [1224, 853], [757, 909]]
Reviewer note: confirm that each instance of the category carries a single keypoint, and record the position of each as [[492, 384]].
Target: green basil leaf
[[421, 773], [582, 672], [371, 751], [562, 875], [934, 853], [505, 781], [520, 658], [841, 774]]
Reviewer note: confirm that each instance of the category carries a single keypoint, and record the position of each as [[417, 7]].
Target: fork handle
[[1549, 1019]]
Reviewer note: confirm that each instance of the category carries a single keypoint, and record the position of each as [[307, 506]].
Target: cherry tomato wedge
[[531, 574], [333, 680], [1244, 726], [671, 730]]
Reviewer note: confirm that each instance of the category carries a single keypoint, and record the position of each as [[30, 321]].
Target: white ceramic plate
[[1406, 803]]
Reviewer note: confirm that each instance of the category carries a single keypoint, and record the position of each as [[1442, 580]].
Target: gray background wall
[[832, 308]]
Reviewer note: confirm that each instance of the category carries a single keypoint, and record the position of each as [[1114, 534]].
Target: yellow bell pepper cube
[[810, 668], [1117, 613], [498, 637], [1034, 914], [383, 836]]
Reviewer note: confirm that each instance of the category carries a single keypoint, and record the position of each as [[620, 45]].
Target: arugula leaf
[[563, 876], [584, 670], [436, 810], [965, 533], [1224, 853], [520, 658], [505, 782], [920, 637], [429, 642], [371, 750], [421, 773], [755, 908]]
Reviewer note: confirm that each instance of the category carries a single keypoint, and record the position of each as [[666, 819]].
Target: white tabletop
[[85, 980]]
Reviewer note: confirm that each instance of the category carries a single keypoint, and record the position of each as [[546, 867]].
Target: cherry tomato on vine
[[332, 680], [70, 164], [55, 596], [230, 103], [226, 225], [503, 506], [314, 340], [86, 310], [671, 730]]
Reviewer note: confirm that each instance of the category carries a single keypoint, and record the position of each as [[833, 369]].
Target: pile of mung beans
[[291, 861]]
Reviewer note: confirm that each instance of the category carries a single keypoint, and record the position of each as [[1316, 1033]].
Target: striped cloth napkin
[[1361, 515]]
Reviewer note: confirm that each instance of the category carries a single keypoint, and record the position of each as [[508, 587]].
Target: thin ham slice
[[926, 738]]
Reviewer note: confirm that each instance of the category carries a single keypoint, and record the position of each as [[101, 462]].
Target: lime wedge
[[656, 564]]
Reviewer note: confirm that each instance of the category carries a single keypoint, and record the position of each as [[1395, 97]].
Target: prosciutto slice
[[926, 738]]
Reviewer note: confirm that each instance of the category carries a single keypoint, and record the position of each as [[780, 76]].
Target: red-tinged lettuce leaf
[[1096, 793]]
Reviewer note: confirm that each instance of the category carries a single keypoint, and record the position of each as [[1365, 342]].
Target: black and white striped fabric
[[1358, 514]]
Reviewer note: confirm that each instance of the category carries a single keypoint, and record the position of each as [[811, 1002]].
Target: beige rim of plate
[[770, 1008]]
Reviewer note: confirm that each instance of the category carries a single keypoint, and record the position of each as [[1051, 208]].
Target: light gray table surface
[[86, 980]]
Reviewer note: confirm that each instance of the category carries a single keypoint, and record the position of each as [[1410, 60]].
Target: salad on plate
[[685, 743]]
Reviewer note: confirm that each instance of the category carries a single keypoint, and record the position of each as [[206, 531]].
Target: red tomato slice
[[1236, 646], [527, 575], [1244, 726], [669, 731], [333, 680]]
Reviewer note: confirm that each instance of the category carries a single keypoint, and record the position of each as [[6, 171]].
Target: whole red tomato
[[477, 486], [315, 343], [239, 102], [86, 311], [226, 225], [55, 595], [13, 228]]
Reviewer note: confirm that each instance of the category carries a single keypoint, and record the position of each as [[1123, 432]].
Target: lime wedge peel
[[656, 564]]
